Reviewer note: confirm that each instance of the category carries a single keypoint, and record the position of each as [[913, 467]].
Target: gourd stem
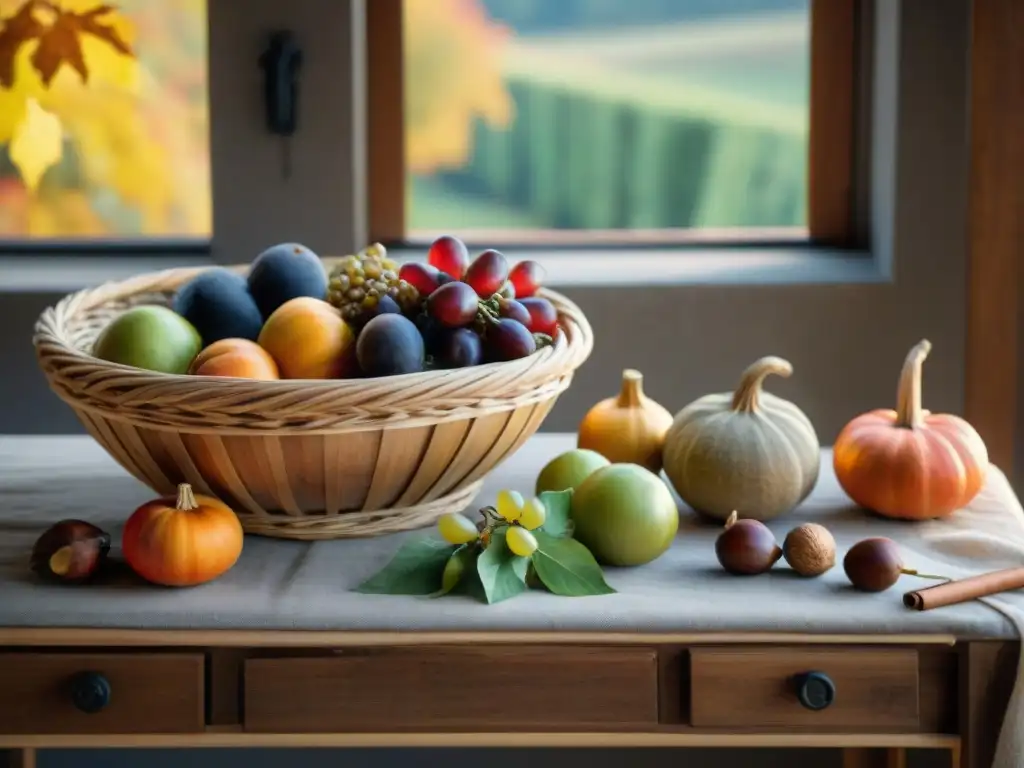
[[748, 393], [186, 499], [908, 395], [632, 392]]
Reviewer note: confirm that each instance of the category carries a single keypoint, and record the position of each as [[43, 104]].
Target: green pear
[[151, 337]]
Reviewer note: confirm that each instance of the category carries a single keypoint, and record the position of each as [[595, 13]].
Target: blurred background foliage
[[610, 114], [519, 114]]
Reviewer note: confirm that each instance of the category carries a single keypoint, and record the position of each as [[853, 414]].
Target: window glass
[[606, 115], [103, 120]]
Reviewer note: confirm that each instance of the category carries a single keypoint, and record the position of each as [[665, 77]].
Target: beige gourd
[[747, 450]]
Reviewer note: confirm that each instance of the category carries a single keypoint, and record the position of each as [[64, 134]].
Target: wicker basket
[[304, 459]]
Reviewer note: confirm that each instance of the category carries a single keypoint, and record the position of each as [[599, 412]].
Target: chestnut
[[874, 565], [70, 551], [746, 547]]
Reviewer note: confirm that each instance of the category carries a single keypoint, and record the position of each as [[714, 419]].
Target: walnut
[[810, 549]]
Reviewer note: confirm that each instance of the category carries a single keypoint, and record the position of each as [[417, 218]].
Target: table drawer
[[483, 689], [757, 687], [101, 693]]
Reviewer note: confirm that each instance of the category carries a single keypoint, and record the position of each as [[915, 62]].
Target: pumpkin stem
[[748, 392], [908, 395], [632, 393], [186, 499]]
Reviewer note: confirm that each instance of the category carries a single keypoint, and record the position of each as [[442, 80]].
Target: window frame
[[834, 28]]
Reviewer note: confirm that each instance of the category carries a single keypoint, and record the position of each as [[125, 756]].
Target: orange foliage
[[453, 76], [103, 110]]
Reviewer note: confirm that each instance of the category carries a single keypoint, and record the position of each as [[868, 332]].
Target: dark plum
[[285, 272], [508, 339], [527, 277], [458, 348], [390, 345], [487, 274], [385, 306], [513, 309], [543, 315], [423, 277], [454, 304], [218, 303], [449, 255]]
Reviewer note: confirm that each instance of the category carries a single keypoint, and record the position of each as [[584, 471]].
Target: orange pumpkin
[[182, 542], [910, 463]]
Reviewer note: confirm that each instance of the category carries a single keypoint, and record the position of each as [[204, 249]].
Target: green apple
[[151, 337], [625, 515], [569, 469]]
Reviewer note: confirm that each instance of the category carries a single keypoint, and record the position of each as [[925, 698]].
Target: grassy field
[[750, 72]]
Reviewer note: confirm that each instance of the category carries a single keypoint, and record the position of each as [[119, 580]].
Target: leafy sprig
[[485, 565]]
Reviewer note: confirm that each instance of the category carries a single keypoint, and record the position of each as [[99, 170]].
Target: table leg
[[874, 758], [19, 758]]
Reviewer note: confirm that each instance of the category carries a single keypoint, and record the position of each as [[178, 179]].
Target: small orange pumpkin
[[182, 542], [910, 463]]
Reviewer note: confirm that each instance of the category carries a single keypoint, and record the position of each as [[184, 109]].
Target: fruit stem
[[908, 394], [747, 394], [913, 572], [186, 499], [731, 520], [632, 393]]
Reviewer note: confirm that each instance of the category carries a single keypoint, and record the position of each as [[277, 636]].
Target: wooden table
[[538, 670]]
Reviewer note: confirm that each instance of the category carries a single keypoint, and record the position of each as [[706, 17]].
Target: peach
[[309, 340], [238, 358]]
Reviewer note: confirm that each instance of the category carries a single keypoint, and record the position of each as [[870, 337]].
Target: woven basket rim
[[80, 378]]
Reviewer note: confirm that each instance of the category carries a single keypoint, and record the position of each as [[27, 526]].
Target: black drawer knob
[[90, 692], [815, 690]]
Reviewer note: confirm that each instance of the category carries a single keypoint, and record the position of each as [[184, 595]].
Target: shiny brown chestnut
[[70, 551], [746, 547]]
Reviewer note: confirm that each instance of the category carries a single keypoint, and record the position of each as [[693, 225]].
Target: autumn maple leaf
[[61, 42], [17, 30]]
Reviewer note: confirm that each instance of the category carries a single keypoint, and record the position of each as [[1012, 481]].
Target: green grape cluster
[[517, 515], [359, 281]]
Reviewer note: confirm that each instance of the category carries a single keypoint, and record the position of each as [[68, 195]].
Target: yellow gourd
[[628, 428], [747, 450]]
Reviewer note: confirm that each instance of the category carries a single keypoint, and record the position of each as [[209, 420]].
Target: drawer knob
[[90, 692], [815, 690]]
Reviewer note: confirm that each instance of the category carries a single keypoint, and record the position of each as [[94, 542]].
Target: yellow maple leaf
[[37, 144]]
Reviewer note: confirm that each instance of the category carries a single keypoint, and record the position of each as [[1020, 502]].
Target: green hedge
[[579, 159]]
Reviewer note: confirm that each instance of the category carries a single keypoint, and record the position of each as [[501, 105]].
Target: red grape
[[508, 339], [508, 291], [449, 254], [423, 277], [453, 304], [487, 274], [458, 348], [543, 315], [527, 277], [513, 309]]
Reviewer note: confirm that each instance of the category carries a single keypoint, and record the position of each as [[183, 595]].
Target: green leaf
[[558, 505], [460, 564], [414, 570], [502, 574], [567, 568]]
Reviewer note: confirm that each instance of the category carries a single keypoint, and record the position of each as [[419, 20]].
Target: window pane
[[122, 153], [606, 114]]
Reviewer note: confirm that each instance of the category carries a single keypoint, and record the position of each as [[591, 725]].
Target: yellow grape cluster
[[522, 516]]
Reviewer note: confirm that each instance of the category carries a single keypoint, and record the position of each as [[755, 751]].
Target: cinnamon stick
[[963, 590]]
